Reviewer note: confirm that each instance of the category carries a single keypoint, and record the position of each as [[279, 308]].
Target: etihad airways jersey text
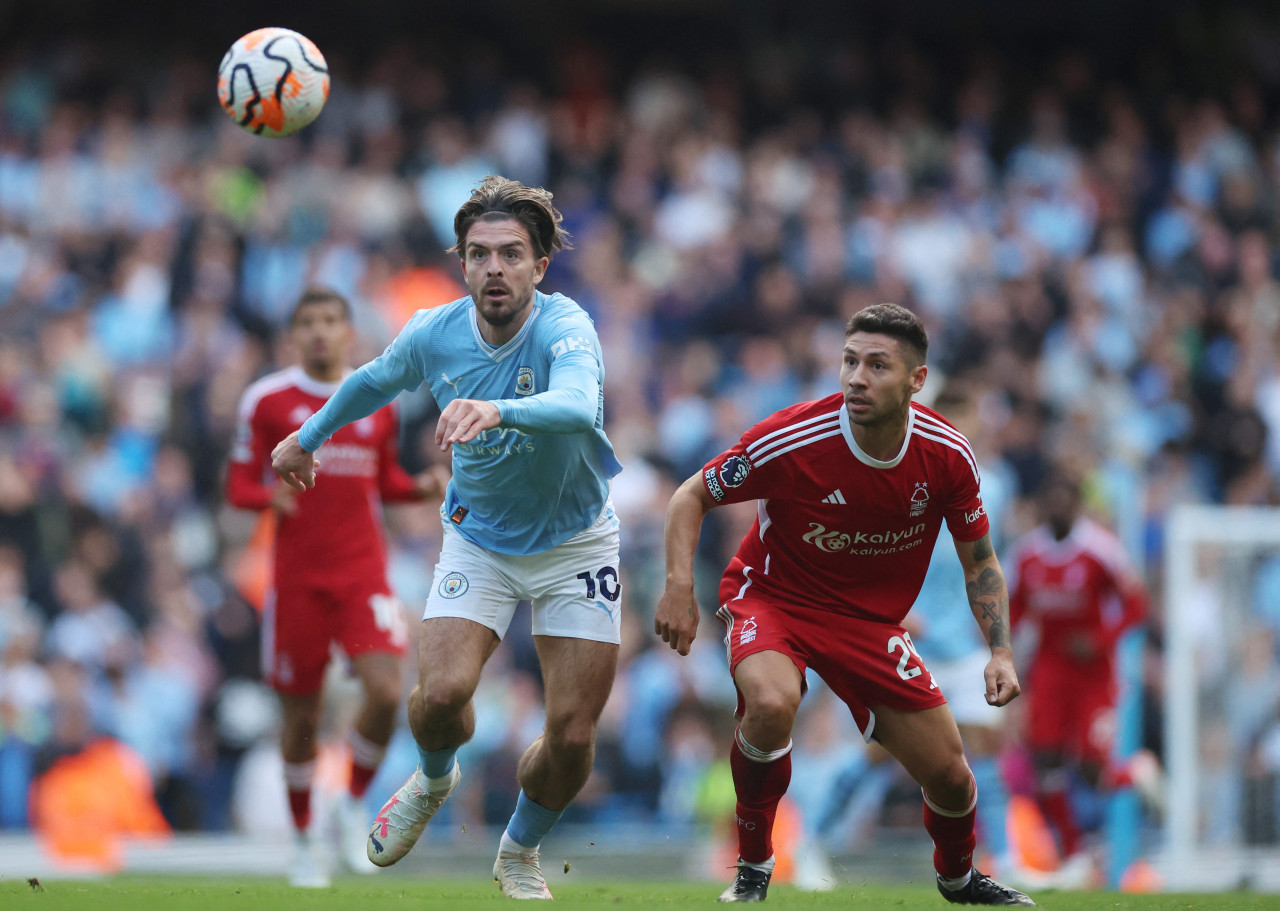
[[865, 552]]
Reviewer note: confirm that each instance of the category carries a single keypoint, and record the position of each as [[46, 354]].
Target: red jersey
[[836, 529], [336, 534], [1081, 586]]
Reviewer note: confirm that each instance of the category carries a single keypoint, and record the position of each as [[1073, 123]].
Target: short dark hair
[[1061, 476], [891, 320], [501, 197], [318, 294]]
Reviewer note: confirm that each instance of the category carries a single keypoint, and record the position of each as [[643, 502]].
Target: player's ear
[[540, 269], [918, 375]]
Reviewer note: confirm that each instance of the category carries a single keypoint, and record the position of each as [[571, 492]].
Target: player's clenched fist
[[676, 619], [1001, 679], [295, 465], [465, 419]]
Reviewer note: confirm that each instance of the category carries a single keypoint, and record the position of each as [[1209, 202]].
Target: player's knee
[[951, 785], [383, 693], [570, 735], [772, 708], [442, 700]]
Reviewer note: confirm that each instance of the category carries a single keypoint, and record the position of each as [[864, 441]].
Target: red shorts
[[1071, 713], [299, 625], [865, 662]]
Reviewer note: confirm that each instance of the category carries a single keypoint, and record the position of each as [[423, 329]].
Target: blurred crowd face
[[324, 337], [501, 271], [878, 379]]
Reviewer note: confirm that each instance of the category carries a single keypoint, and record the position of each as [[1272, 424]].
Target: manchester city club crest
[[453, 585], [524, 381]]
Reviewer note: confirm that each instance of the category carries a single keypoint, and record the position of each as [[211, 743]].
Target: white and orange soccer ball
[[273, 82]]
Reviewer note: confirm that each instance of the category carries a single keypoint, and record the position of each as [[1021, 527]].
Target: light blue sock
[[531, 822], [993, 804], [436, 763]]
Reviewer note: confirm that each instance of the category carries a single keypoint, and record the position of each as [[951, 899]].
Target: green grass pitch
[[137, 893]]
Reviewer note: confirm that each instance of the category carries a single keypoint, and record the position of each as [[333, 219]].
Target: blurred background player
[[851, 491], [1074, 586], [527, 516], [330, 581]]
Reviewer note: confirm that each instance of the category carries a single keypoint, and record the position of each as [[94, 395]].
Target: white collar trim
[[846, 428], [502, 352], [312, 386]]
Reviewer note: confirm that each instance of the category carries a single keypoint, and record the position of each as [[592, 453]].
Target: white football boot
[[519, 875], [350, 831], [306, 870], [402, 818]]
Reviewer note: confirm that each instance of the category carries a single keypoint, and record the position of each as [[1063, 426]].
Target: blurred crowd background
[[1084, 213]]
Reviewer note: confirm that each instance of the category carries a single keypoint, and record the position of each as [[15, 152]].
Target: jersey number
[[388, 616], [903, 644], [607, 577]]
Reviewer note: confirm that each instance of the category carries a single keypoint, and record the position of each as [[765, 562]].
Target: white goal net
[[1222, 699]]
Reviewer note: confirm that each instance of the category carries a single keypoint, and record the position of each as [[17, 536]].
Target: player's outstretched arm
[[989, 600], [676, 619]]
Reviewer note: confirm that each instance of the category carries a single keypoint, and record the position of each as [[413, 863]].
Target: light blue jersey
[[543, 475], [942, 606]]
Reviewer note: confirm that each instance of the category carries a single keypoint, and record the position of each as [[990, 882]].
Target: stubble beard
[[881, 416], [503, 319]]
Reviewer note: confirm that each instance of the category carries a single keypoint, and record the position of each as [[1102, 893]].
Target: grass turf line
[[140, 893]]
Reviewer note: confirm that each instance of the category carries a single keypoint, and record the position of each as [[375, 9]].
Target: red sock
[[1055, 804], [953, 837], [366, 756], [297, 781], [760, 779]]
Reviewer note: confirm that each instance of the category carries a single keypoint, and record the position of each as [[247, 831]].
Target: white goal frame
[[1185, 863]]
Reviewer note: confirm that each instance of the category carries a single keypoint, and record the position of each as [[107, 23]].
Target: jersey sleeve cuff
[[308, 439]]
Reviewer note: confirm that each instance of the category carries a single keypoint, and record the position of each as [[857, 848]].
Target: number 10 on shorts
[[605, 581]]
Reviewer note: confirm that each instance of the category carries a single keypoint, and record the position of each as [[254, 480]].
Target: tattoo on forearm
[[692, 613], [990, 582], [982, 548], [998, 635]]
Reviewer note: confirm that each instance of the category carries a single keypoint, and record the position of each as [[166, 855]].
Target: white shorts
[[573, 588], [962, 682]]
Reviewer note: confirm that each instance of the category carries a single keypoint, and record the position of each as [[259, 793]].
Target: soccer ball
[[273, 82]]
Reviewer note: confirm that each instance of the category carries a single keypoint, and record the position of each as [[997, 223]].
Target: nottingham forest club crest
[[524, 381], [920, 498]]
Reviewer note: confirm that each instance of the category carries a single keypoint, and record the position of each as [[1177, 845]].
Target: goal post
[[1216, 630]]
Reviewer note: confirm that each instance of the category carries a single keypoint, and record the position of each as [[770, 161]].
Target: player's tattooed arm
[[989, 601], [985, 586]]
